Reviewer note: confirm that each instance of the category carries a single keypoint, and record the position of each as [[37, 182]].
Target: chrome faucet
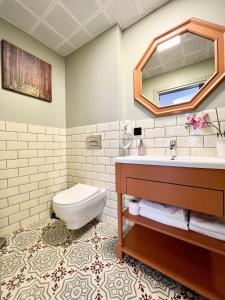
[[173, 150]]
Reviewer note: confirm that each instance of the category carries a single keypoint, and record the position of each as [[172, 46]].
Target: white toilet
[[79, 204]]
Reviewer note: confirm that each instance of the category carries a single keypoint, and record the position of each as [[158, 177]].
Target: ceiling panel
[[105, 2], [66, 25], [82, 9], [98, 25], [196, 57], [61, 21], [192, 49], [15, 14], [47, 36], [195, 44], [37, 7], [150, 5], [65, 49], [119, 12], [80, 38]]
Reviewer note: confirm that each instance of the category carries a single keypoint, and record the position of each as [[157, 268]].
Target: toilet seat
[[75, 195]]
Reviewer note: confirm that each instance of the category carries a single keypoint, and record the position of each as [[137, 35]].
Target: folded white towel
[[208, 225], [164, 210], [215, 235], [165, 219]]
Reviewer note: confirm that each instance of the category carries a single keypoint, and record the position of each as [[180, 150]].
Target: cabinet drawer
[[199, 199]]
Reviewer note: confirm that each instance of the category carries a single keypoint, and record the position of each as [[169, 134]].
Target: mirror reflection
[[178, 69]]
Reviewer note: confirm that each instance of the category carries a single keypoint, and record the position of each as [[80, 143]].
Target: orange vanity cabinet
[[193, 259]]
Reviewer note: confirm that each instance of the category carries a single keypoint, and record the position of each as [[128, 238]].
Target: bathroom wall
[[32, 154], [32, 170], [136, 39], [33, 161], [96, 167], [92, 101], [20, 108], [93, 81], [99, 94]]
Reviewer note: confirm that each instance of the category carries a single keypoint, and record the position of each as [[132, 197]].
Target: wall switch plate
[[137, 131], [94, 142]]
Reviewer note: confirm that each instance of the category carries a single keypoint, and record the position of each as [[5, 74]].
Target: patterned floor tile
[[45, 222], [105, 231], [108, 249], [44, 260], [35, 291], [55, 235], [23, 239], [79, 255], [156, 282], [78, 287], [119, 283], [10, 263], [48, 261]]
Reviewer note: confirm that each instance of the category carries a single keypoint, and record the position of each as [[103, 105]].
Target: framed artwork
[[24, 73]]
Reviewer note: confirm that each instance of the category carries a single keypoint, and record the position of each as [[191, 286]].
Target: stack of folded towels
[[165, 214], [207, 225], [178, 217]]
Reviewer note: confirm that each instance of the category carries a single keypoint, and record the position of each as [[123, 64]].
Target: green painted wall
[[93, 81], [99, 76], [19, 108]]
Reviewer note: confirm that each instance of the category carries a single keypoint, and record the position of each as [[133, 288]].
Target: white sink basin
[[180, 161]]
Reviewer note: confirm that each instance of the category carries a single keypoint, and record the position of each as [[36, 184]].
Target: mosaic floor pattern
[[47, 261]]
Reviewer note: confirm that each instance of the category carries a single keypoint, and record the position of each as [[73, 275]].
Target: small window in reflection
[[179, 95]]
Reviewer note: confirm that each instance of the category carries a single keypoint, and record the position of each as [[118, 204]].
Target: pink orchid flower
[[201, 122], [197, 122], [191, 119]]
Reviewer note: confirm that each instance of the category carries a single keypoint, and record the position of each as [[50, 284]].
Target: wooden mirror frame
[[202, 28]]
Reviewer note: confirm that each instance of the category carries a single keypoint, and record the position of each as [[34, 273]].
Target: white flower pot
[[220, 147]]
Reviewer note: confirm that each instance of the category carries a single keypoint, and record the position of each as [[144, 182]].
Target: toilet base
[[79, 215], [86, 218]]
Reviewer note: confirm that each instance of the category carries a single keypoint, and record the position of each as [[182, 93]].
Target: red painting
[[24, 73]]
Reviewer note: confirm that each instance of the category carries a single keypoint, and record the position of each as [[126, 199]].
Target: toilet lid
[[75, 194]]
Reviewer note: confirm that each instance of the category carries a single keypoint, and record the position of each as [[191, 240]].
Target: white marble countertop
[[180, 161]]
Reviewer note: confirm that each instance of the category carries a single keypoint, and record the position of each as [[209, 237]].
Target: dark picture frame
[[24, 73]]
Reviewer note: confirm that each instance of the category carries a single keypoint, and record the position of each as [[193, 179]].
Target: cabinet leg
[[120, 226], [119, 252]]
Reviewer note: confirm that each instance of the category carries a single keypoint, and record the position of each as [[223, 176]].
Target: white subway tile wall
[[36, 161], [95, 167], [32, 169]]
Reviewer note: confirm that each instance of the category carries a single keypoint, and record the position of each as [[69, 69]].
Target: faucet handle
[[172, 143]]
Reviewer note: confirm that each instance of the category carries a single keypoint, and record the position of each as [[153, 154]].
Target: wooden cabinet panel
[[203, 200], [193, 258], [205, 178], [192, 266]]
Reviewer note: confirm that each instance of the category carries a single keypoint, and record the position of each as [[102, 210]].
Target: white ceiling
[[191, 50], [66, 25]]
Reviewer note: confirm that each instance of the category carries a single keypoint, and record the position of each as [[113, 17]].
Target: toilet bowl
[[79, 204]]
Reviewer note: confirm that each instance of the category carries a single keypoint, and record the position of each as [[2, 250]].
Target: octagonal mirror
[[180, 68]]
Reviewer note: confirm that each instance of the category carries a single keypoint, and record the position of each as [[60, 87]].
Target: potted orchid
[[202, 121]]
